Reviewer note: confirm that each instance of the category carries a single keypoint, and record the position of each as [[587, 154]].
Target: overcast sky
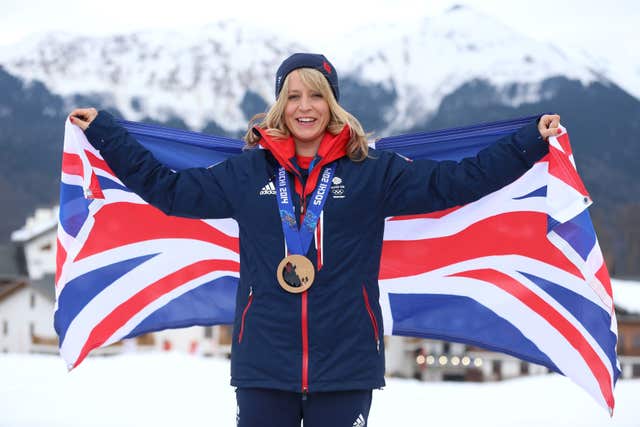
[[607, 26]]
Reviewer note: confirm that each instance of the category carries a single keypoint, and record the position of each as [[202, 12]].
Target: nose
[[305, 103]]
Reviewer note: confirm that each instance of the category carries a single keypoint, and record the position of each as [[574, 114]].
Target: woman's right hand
[[82, 117]]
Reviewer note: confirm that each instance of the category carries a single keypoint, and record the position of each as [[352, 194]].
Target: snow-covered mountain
[[198, 76], [455, 69], [207, 74], [431, 60]]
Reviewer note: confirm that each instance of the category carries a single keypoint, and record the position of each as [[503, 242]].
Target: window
[[32, 329], [208, 332], [32, 300], [496, 368], [5, 328], [636, 341], [226, 335]]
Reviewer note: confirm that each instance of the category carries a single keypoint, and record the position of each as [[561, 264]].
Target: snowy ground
[[179, 390]]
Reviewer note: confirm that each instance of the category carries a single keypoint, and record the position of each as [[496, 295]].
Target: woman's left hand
[[548, 126]]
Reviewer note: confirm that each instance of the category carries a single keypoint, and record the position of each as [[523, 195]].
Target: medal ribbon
[[299, 239]]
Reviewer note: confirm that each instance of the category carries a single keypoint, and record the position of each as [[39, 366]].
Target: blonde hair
[[273, 120]]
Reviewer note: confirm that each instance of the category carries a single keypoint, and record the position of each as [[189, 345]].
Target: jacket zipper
[[305, 347], [244, 314], [372, 317], [305, 324]]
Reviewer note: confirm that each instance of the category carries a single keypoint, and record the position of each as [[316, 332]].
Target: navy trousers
[[276, 408]]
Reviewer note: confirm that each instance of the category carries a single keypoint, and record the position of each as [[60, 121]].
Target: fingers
[[80, 123], [549, 125], [85, 114], [554, 121], [82, 117]]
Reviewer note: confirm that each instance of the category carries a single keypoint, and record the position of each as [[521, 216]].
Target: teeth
[[306, 119]]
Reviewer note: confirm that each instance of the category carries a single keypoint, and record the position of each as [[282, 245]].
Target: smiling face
[[306, 115]]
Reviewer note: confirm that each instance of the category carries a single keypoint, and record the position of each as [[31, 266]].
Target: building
[[629, 343], [26, 317], [627, 297], [36, 244], [27, 301], [435, 360], [26, 304]]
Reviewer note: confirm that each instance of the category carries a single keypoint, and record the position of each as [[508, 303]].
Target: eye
[[293, 97], [316, 95]]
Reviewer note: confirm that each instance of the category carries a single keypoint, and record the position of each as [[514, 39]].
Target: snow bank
[[179, 390]]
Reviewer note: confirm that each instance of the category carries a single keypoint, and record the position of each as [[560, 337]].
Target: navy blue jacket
[[330, 337]]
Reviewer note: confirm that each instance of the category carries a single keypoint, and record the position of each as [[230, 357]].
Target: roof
[[43, 221], [626, 295], [10, 285], [45, 286]]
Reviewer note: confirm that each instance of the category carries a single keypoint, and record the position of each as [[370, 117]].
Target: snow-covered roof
[[626, 295], [43, 220]]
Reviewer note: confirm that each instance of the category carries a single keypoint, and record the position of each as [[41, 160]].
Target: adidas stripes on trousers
[[275, 408]]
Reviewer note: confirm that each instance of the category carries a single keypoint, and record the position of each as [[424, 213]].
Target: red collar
[[332, 147], [304, 161]]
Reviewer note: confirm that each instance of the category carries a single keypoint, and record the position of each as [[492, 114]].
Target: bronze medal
[[295, 273]]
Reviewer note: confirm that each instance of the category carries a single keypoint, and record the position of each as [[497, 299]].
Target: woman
[[308, 325]]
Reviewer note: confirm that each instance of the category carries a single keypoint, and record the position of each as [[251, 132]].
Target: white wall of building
[[38, 238], [23, 313], [40, 254], [397, 357]]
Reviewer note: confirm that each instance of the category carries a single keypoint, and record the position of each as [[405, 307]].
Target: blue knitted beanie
[[308, 60]]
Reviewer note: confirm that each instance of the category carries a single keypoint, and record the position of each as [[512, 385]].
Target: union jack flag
[[518, 271]]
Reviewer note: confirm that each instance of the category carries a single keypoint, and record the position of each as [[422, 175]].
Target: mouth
[[306, 120]]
